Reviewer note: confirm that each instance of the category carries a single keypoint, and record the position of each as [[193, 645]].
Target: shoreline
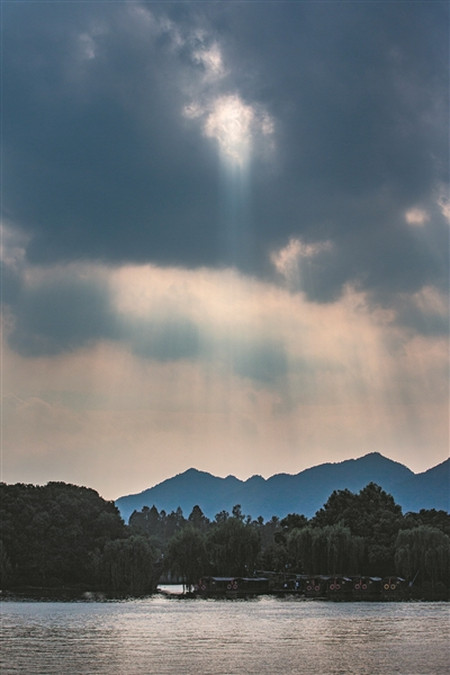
[[66, 594]]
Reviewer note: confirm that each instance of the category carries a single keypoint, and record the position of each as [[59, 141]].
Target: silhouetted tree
[[373, 515], [431, 517], [186, 555], [293, 520], [233, 545], [327, 550], [425, 551], [61, 534], [198, 519], [130, 566]]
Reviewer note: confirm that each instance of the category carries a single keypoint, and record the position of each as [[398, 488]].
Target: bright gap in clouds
[[238, 128], [230, 123]]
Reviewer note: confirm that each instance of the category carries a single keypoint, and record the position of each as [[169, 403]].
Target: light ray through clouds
[[238, 129], [219, 255]]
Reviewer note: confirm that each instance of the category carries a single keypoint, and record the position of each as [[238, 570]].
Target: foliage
[[293, 520], [233, 544], [198, 520], [186, 555], [328, 550], [372, 515], [424, 551], [59, 534], [129, 566], [360, 512], [159, 525], [63, 534], [351, 534], [431, 517]]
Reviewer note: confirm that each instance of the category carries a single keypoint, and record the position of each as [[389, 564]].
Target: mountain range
[[305, 492]]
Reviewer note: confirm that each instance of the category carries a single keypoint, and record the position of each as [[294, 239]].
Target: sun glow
[[230, 124], [235, 125]]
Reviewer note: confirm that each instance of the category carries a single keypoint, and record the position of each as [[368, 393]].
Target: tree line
[[63, 534], [364, 533]]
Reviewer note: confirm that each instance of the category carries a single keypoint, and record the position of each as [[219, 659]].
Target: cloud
[[96, 135], [444, 205], [210, 243], [52, 312], [224, 371], [294, 261], [166, 340], [210, 58], [416, 216], [158, 315], [235, 125], [219, 318], [425, 312]]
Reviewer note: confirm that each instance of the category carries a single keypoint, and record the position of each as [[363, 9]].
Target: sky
[[225, 238]]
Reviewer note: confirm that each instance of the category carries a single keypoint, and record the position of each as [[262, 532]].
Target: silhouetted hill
[[427, 490], [305, 492]]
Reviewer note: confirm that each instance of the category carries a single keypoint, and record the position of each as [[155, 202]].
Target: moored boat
[[232, 586], [330, 587], [393, 588]]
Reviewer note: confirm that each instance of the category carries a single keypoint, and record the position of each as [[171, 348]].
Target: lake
[[265, 635]]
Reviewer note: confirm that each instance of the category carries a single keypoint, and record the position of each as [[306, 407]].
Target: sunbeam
[[219, 254]]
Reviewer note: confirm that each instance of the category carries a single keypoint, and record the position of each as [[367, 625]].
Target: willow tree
[[186, 555], [423, 551], [130, 566], [325, 550]]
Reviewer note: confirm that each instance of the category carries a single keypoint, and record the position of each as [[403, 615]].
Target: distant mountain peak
[[370, 458], [193, 472], [303, 493], [255, 478], [376, 456]]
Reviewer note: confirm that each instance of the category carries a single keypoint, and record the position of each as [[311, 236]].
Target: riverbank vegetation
[[61, 534]]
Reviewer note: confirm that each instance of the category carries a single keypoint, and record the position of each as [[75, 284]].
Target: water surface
[[224, 637]]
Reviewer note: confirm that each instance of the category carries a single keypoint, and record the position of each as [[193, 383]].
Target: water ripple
[[159, 636]]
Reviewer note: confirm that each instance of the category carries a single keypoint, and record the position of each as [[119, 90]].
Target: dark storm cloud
[[59, 316], [362, 92], [99, 162]]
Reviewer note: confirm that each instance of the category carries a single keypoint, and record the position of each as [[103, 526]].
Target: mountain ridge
[[304, 492]]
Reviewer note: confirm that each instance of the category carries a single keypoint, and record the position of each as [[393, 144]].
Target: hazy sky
[[225, 238]]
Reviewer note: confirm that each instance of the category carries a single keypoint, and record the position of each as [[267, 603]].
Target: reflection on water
[[265, 635]]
